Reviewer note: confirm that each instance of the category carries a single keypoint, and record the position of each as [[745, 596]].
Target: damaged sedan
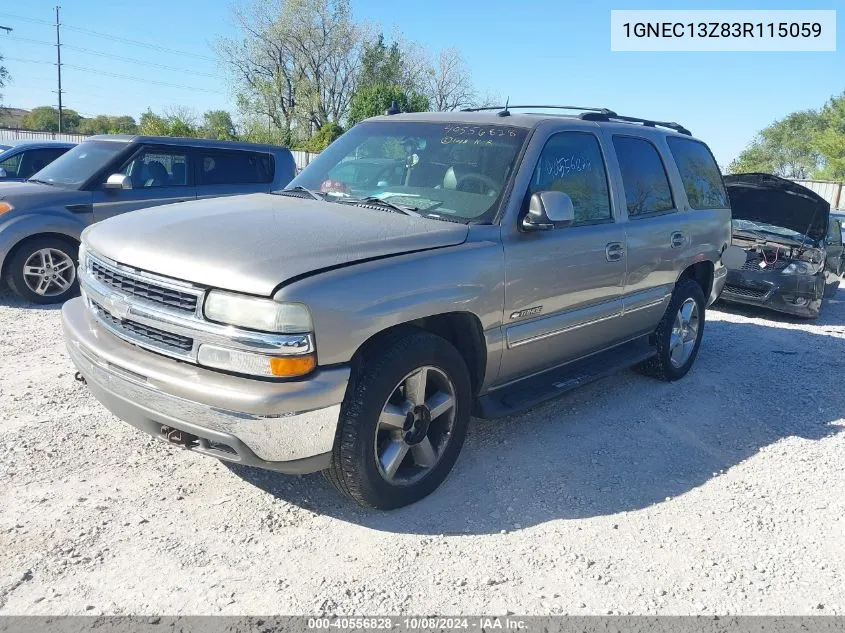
[[789, 257]]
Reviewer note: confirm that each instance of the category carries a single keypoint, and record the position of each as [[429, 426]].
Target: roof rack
[[504, 110], [601, 116]]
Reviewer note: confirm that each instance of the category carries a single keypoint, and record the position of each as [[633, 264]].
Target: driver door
[[159, 175]]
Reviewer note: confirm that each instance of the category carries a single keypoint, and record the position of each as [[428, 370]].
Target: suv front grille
[[144, 333], [753, 293], [182, 301]]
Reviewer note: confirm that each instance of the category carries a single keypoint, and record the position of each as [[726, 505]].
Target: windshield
[[441, 170], [76, 166], [748, 225]]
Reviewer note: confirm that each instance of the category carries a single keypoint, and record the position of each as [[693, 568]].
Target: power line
[[116, 75], [115, 38], [131, 60]]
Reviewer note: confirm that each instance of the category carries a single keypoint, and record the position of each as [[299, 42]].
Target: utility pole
[[59, 66]]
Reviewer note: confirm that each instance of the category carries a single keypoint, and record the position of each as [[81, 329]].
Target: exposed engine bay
[[781, 226]]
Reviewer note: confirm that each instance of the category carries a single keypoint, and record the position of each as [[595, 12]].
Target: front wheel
[[678, 336], [403, 422], [43, 270]]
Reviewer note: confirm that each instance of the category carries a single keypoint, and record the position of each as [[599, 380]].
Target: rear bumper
[[799, 295], [283, 426]]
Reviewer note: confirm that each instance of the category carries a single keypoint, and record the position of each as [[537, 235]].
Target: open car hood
[[779, 202]]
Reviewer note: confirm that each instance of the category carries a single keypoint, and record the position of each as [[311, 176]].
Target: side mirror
[[3, 173], [549, 210], [118, 181]]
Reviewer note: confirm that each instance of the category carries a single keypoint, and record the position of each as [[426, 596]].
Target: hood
[[255, 242], [26, 196], [780, 202]]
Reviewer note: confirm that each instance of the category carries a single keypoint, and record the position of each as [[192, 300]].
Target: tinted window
[[643, 175], [699, 173], [572, 162], [235, 168], [35, 160], [157, 167], [834, 232]]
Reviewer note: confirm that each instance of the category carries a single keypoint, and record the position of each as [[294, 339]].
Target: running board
[[534, 390]]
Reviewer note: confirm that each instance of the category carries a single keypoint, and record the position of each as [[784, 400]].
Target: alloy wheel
[[415, 426], [684, 333], [49, 272]]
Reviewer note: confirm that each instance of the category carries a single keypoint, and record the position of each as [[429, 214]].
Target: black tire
[[15, 269], [354, 470], [661, 366]]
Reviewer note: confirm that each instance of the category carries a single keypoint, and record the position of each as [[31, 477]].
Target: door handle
[[614, 251], [677, 240]]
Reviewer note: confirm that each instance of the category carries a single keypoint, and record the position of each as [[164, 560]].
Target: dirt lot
[[722, 493]]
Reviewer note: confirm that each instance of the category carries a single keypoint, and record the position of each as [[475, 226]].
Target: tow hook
[[175, 436], [79, 377]]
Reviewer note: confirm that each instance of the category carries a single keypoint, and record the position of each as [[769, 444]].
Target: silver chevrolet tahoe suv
[[424, 268]]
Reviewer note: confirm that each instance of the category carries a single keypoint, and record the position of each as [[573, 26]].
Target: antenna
[[505, 112]]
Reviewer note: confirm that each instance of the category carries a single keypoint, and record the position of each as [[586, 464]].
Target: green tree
[[105, 124], [324, 137], [785, 148], [381, 64], [830, 139], [177, 122], [217, 124], [374, 100], [46, 119]]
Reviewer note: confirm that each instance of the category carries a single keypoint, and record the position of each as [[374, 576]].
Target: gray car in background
[[22, 159], [42, 218]]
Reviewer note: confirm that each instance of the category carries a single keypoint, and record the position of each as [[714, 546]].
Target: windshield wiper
[[313, 194], [378, 202], [41, 182]]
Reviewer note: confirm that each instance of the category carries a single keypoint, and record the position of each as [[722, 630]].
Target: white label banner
[[728, 30]]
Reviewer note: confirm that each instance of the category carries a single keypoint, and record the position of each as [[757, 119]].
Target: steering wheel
[[492, 187]]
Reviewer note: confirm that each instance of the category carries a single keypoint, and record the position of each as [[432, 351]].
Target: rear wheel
[[678, 336], [43, 270], [403, 422]]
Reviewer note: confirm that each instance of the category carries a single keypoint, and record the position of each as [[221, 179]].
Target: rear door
[[655, 231], [232, 172], [159, 175]]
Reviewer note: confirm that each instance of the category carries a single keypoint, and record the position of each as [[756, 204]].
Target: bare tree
[[295, 60], [449, 83]]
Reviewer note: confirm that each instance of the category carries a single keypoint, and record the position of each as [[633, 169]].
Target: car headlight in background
[[253, 364], [802, 268], [5, 207], [259, 314]]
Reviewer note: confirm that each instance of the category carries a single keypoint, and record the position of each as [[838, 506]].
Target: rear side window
[[699, 173], [646, 184], [235, 168], [572, 162]]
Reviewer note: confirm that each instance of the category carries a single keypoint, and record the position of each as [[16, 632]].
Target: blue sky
[[551, 51]]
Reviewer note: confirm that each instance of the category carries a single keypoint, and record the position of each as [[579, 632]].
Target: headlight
[[257, 314], [5, 207], [802, 268], [255, 364]]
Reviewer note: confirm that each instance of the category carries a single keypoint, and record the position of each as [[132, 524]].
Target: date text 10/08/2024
[[419, 624]]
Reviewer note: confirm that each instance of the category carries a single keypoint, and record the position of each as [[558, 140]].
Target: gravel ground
[[722, 493]]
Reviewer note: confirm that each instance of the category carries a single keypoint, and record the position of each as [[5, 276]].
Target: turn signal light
[[5, 207], [290, 366]]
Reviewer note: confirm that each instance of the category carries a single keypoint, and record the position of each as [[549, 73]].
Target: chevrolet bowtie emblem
[[117, 307]]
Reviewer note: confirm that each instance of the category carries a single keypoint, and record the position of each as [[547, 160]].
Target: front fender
[[350, 305], [19, 227]]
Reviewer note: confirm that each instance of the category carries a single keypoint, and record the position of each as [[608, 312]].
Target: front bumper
[[800, 295], [284, 426]]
